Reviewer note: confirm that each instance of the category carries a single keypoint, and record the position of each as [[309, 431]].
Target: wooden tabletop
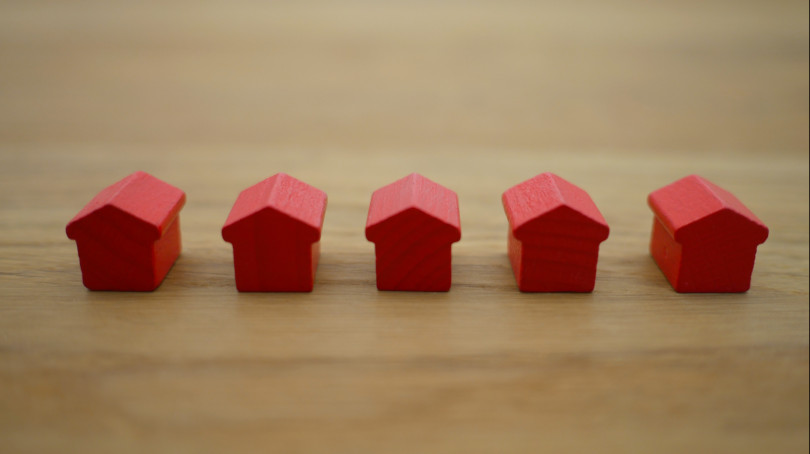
[[619, 98]]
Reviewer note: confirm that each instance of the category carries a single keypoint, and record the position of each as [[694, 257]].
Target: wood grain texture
[[620, 97]]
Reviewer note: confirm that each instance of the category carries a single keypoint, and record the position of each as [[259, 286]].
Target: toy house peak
[[693, 208], [281, 197], [548, 204], [410, 201], [139, 204]]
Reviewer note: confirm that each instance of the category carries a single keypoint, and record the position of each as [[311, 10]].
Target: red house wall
[[554, 264], [112, 260]]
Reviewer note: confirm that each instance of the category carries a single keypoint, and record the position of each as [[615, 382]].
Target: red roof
[[548, 204], [413, 194], [140, 204], [695, 207], [282, 194]]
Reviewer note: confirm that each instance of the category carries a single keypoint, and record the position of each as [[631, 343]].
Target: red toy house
[[275, 228], [413, 223], [554, 234], [128, 236], [703, 238]]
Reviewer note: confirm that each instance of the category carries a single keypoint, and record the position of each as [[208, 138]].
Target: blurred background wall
[[685, 76]]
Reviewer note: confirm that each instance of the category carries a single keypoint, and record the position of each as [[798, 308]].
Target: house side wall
[[666, 252], [166, 250], [548, 267], [720, 264], [719, 267], [112, 260], [426, 267], [274, 259]]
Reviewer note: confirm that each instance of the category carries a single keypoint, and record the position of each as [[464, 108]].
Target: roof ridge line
[[554, 178], [271, 196], [708, 185], [415, 188], [128, 180]]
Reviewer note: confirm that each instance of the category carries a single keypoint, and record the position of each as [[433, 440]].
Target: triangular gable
[[412, 223], [139, 204], [283, 194], [693, 205], [411, 196], [535, 205]]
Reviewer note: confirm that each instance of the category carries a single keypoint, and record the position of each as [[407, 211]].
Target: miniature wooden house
[[703, 238], [413, 223], [275, 229], [554, 234], [128, 236]]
